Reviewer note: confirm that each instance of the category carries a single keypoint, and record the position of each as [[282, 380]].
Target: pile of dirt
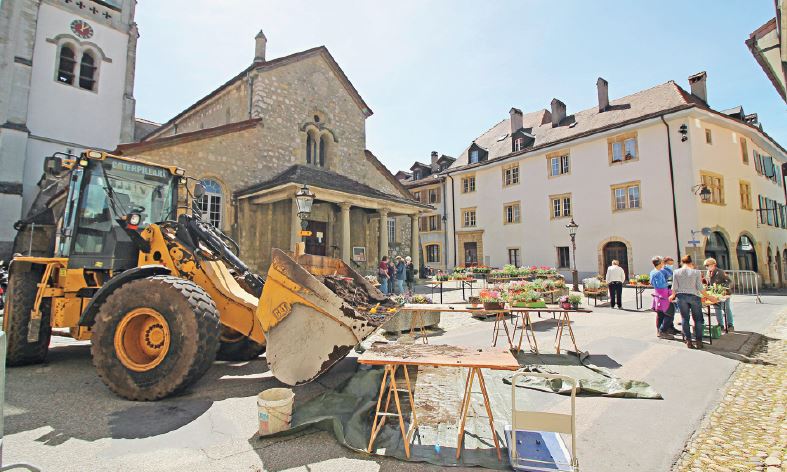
[[374, 308], [404, 351]]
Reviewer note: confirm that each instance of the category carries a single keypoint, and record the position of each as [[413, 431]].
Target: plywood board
[[439, 355]]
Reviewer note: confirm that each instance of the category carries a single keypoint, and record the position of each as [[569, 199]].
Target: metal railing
[[745, 282]]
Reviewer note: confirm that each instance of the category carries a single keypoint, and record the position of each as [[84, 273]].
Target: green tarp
[[347, 410]]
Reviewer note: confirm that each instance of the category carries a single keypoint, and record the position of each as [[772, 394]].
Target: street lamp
[[304, 198], [572, 231], [703, 191]]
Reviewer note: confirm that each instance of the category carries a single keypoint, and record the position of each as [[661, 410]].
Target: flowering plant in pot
[[492, 299], [528, 299], [549, 285], [560, 283], [538, 285], [575, 300], [643, 279], [564, 303], [518, 286]]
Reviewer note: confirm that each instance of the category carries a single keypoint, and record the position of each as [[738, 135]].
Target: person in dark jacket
[[401, 274], [718, 276], [391, 277], [410, 276], [382, 274]]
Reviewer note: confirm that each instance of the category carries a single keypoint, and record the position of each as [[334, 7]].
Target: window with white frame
[[511, 175], [519, 144], [560, 206], [391, 230], [626, 196], [559, 165], [468, 217], [210, 204], [511, 213], [468, 184], [473, 156], [623, 148]]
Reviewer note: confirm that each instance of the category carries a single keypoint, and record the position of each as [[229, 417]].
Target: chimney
[[698, 83], [603, 94], [516, 119], [558, 112], [260, 41], [434, 159]]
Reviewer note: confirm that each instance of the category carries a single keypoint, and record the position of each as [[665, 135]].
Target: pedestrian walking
[[382, 274], [401, 274], [661, 301], [723, 309], [687, 288], [410, 275], [615, 278]]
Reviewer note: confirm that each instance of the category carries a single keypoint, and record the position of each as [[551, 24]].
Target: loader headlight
[[134, 219]]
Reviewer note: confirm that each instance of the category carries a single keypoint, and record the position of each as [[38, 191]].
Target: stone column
[[295, 222], [383, 231], [415, 247], [346, 241]]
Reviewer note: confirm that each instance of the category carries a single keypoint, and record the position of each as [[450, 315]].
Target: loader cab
[[103, 189]]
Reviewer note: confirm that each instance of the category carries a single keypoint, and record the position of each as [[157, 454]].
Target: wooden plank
[[439, 355], [462, 308]]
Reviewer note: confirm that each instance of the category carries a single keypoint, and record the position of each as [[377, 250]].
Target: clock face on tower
[[82, 29]]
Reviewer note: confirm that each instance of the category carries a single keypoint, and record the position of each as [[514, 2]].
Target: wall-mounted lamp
[[703, 191], [684, 133]]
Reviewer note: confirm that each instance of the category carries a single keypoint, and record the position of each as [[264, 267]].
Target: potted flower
[[575, 300], [537, 285], [643, 279], [475, 301], [533, 299], [632, 281], [492, 299], [564, 303], [549, 285], [559, 283], [517, 286], [441, 277]]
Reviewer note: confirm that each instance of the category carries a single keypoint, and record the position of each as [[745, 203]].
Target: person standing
[[669, 269], [382, 274], [410, 275], [661, 302], [687, 289], [718, 276], [391, 277], [615, 278], [401, 274]]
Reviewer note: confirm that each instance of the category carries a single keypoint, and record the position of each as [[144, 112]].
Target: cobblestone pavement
[[748, 430]]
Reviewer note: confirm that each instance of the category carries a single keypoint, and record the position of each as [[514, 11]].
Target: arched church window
[[210, 205], [309, 148], [323, 149], [65, 65], [87, 71]]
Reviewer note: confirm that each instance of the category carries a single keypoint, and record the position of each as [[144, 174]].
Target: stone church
[[279, 124]]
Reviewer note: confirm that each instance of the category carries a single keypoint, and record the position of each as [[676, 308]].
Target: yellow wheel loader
[[114, 250]]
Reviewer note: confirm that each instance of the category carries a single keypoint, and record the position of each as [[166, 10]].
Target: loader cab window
[[99, 241]]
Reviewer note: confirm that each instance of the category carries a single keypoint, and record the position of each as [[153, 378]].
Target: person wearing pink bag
[[661, 299]]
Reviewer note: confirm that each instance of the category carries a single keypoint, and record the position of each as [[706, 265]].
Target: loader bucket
[[308, 327]]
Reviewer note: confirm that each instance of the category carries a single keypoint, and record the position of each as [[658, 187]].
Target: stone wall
[[229, 106]]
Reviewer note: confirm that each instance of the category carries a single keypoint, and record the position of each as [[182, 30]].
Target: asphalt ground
[[60, 417]]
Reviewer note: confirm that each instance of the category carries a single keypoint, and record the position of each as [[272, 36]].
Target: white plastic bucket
[[275, 410]]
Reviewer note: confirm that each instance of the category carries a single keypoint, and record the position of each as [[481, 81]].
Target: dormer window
[[473, 156], [519, 144]]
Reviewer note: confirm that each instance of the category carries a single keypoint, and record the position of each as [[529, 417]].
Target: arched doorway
[[716, 247], [747, 255], [616, 250]]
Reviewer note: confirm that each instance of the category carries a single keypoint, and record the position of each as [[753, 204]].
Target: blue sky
[[439, 73]]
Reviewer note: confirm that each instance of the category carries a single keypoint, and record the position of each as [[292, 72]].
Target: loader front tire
[[23, 281], [237, 347], [154, 337]]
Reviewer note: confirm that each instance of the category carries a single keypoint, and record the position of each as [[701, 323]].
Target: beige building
[[428, 186], [629, 172], [275, 126]]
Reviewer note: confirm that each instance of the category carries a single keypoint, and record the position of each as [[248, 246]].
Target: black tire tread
[[23, 281], [207, 339]]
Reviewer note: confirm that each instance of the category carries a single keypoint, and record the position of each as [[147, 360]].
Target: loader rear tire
[[237, 347], [154, 337], [23, 281]]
